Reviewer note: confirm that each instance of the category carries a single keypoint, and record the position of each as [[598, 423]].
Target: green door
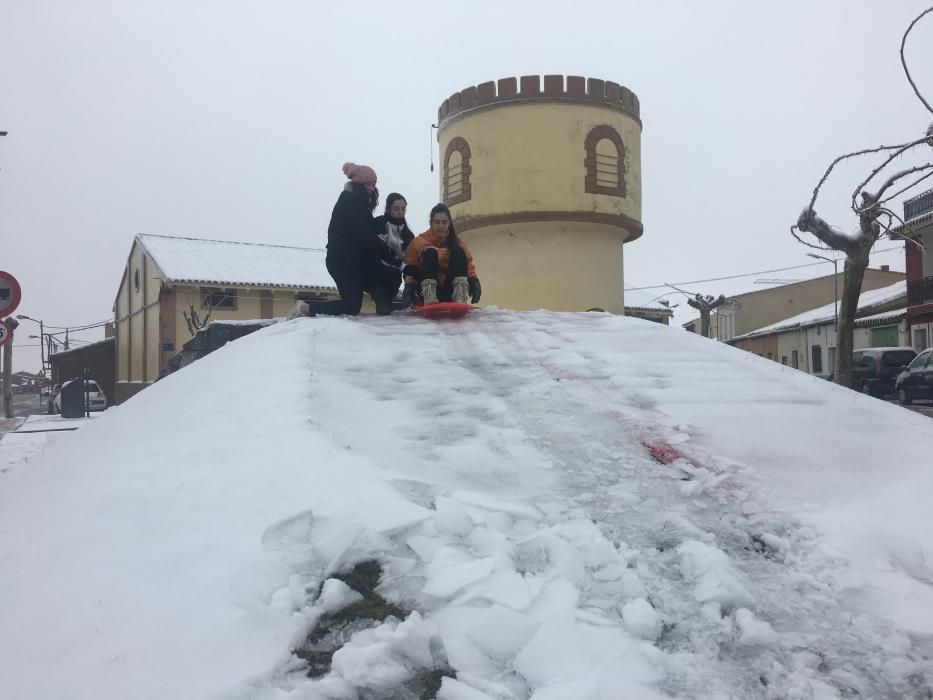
[[884, 337]]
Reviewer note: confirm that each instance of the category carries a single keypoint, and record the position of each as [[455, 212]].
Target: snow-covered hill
[[499, 470]]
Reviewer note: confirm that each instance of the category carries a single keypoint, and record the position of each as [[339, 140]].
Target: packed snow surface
[[183, 544]]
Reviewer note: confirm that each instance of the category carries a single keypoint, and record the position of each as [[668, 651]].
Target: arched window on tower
[[605, 161], [457, 172]]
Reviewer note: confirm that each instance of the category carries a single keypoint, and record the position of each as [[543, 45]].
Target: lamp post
[[835, 263], [24, 317]]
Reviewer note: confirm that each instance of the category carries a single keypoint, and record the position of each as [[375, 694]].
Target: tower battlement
[[529, 88]]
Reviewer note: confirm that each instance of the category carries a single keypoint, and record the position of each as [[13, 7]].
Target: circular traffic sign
[[6, 334], [10, 294]]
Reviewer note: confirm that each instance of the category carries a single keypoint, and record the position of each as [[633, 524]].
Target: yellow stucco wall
[[151, 286], [543, 266], [121, 329], [530, 157]]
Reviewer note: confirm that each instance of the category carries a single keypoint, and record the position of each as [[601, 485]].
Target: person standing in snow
[[354, 251], [392, 229], [439, 265]]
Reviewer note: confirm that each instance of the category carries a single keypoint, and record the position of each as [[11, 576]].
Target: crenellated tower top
[[528, 88]]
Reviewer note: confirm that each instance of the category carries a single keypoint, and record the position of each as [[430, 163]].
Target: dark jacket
[[405, 236], [351, 233]]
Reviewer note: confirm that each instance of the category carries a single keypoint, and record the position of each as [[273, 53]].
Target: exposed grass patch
[[333, 631]]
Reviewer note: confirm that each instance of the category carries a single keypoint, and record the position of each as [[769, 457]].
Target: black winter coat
[[351, 233]]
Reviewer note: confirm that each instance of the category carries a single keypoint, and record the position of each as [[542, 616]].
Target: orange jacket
[[427, 240]]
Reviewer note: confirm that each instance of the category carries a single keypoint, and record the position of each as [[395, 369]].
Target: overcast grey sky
[[229, 119]]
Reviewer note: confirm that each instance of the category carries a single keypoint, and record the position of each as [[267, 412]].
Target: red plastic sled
[[444, 309]]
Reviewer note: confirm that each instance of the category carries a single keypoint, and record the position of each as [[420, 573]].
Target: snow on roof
[[201, 261], [640, 299], [822, 314]]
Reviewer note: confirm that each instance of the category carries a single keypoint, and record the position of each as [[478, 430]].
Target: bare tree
[[195, 322], [705, 305], [875, 219]]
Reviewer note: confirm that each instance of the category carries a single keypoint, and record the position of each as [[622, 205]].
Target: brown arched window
[[605, 161], [457, 172]]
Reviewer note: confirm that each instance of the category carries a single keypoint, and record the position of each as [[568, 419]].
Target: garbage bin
[[72, 399]]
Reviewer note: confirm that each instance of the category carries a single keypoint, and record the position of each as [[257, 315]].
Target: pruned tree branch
[[904, 61], [881, 167], [864, 151], [904, 173], [810, 222]]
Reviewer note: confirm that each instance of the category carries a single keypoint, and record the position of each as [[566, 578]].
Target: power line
[[746, 274]]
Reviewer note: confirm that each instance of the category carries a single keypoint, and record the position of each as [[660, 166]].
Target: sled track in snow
[[597, 467]]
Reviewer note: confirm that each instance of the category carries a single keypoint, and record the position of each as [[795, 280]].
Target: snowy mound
[[560, 506]]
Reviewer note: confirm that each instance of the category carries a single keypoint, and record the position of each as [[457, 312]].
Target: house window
[[216, 298], [816, 352], [920, 339], [457, 172], [783, 359], [795, 361], [604, 161]]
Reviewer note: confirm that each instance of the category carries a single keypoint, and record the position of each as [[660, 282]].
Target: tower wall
[[544, 230]]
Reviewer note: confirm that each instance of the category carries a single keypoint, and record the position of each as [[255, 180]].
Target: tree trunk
[[855, 266], [7, 376]]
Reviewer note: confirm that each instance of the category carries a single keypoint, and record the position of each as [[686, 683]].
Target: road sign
[[6, 334], [10, 294]]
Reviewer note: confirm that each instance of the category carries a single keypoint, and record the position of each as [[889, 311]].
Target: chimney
[[885, 268]]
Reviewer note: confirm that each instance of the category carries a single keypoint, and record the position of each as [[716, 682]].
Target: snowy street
[[500, 471]]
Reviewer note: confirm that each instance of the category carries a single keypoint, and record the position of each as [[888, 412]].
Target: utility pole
[[8, 371]]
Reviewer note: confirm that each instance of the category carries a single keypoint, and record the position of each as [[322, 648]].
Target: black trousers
[[456, 267], [353, 276]]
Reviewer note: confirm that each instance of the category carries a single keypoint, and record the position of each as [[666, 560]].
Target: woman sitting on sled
[[439, 266]]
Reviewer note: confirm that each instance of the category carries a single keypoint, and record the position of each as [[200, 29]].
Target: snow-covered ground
[[181, 545], [33, 434]]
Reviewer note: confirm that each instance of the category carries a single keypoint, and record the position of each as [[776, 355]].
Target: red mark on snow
[[665, 453]]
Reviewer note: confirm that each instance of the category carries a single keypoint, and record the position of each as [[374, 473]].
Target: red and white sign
[[10, 294], [6, 334]]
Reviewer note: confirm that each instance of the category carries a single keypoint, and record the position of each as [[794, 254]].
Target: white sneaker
[[429, 292], [300, 308]]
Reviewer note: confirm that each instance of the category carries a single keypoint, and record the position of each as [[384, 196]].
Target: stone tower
[[544, 184]]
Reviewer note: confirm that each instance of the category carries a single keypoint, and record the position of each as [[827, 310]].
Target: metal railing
[[921, 204], [920, 291]]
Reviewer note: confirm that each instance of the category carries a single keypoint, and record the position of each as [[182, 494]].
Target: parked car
[[875, 370], [94, 397], [916, 382]]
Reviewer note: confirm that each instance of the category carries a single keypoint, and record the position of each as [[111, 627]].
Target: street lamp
[[24, 317], [835, 263]]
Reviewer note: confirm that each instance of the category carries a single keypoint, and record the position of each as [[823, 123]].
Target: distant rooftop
[[867, 301], [201, 261], [919, 206], [638, 299]]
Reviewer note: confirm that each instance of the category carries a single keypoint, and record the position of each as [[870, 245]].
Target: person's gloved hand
[[408, 296], [476, 289]]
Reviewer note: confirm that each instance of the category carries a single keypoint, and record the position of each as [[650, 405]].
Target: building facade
[[807, 341], [172, 285], [918, 218], [543, 178], [747, 312]]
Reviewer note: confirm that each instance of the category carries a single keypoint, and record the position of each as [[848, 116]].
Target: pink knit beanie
[[359, 173]]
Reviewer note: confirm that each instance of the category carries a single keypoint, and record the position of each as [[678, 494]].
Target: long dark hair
[[453, 242], [372, 200]]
